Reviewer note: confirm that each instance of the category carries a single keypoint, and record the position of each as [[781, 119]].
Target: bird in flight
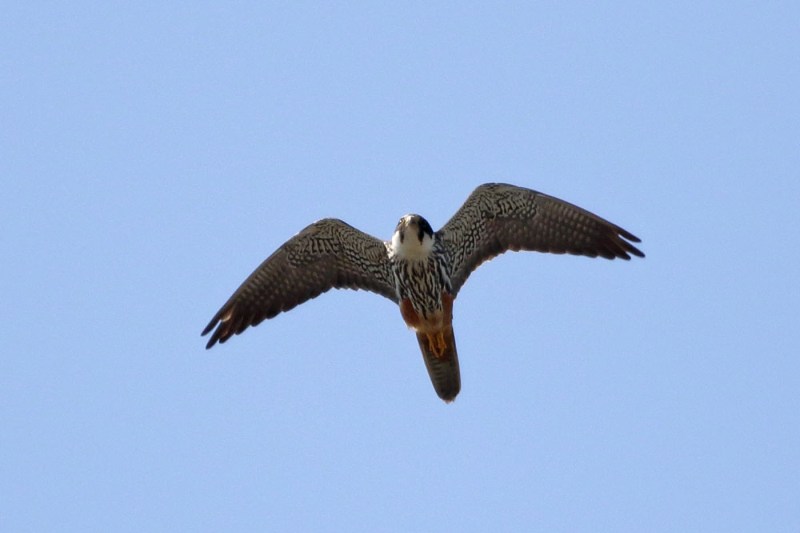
[[419, 269]]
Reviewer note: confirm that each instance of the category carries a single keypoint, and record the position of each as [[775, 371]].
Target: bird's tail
[[441, 360]]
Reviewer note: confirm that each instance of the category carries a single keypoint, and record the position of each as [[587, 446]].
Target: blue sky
[[154, 154]]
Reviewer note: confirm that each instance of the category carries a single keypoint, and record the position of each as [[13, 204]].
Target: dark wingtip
[[628, 236], [632, 249], [214, 337], [627, 250]]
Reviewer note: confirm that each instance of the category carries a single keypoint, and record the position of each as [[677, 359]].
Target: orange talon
[[431, 344], [442, 344], [436, 343]]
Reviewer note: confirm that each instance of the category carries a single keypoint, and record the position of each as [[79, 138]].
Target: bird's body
[[419, 269]]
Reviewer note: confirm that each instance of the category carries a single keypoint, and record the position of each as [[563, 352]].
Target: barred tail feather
[[443, 369]]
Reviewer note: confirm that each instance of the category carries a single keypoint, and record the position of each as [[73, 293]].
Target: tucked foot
[[436, 344]]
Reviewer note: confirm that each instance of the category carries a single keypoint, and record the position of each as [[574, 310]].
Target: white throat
[[410, 248]]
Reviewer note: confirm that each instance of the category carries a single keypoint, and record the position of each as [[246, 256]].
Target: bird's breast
[[421, 282]]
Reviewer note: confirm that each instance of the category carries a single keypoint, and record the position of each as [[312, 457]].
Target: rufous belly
[[434, 325]]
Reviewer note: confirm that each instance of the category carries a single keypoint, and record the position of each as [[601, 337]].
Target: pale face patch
[[406, 243]]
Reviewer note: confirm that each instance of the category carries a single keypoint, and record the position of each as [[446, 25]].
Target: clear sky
[[153, 154]]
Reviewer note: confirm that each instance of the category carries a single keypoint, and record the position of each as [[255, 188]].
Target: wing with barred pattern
[[325, 255], [498, 217]]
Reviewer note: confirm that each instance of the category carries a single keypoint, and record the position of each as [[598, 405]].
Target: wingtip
[[630, 237], [634, 250], [627, 235], [214, 337]]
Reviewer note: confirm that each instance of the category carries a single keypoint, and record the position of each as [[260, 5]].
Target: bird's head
[[413, 237]]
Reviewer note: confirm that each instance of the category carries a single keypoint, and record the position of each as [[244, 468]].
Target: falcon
[[418, 269]]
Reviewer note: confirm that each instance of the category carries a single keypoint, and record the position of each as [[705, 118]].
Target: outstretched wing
[[327, 254], [498, 217]]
